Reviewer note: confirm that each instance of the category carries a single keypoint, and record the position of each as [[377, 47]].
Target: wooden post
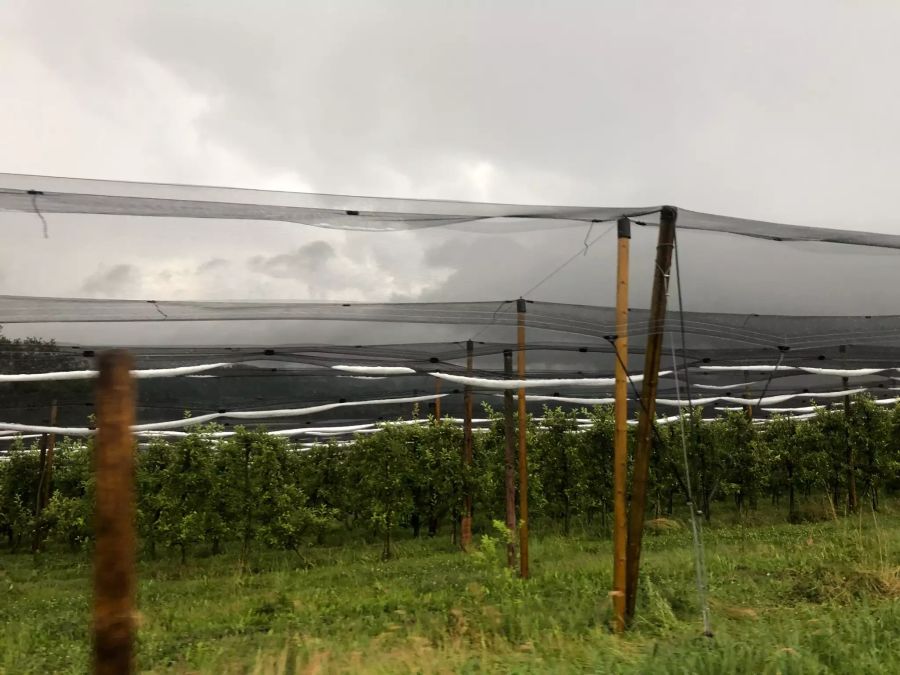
[[509, 433], [749, 410], [51, 448], [620, 454], [523, 449], [465, 537], [45, 476], [652, 359], [114, 550], [851, 462], [437, 401]]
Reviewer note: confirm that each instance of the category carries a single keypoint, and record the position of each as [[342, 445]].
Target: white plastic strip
[[90, 374], [237, 414], [376, 370], [673, 402], [764, 368], [725, 387], [489, 383], [766, 400], [568, 399], [838, 372], [768, 368], [793, 411], [36, 429]]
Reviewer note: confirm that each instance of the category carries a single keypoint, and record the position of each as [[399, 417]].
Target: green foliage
[[199, 493], [808, 598]]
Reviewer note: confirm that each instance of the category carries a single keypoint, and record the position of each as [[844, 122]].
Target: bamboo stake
[[523, 450], [114, 550], [652, 359], [466, 528], [509, 433], [620, 456]]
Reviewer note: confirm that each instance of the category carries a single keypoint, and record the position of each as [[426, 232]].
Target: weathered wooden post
[[620, 453], [114, 549], [656, 332], [466, 528], [523, 449], [437, 401], [509, 433], [852, 501], [45, 476]]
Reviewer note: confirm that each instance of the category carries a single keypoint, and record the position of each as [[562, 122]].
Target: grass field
[[812, 598]]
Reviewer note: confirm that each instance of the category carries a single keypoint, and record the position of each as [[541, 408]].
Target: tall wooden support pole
[[466, 529], [51, 449], [45, 476], [509, 432], [620, 454], [851, 468], [523, 449], [652, 359], [437, 401], [114, 550], [749, 409]]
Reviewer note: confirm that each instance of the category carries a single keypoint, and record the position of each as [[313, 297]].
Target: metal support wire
[[696, 531]]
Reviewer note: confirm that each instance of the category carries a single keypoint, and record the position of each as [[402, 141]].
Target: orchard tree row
[[199, 494]]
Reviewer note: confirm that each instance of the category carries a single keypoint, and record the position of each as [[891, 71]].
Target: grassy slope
[[785, 599]]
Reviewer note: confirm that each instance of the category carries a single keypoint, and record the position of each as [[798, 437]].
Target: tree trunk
[[386, 553], [851, 469], [509, 462], [792, 502], [248, 508]]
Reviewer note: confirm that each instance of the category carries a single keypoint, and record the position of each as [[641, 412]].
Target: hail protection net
[[778, 316]]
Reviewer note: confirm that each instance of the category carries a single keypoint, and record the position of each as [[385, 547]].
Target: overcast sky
[[785, 111]]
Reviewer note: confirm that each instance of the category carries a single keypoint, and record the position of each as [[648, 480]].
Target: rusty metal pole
[[620, 453], [641, 471], [114, 549], [509, 433], [523, 449], [466, 528]]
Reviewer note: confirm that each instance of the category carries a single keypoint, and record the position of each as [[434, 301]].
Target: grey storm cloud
[[111, 282], [212, 264], [765, 110], [300, 263]]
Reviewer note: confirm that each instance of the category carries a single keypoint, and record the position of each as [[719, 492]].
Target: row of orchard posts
[[114, 554], [509, 454], [628, 524]]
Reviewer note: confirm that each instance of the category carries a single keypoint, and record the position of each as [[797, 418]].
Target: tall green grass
[[812, 598]]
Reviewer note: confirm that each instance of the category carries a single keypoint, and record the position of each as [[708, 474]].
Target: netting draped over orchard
[[806, 351]]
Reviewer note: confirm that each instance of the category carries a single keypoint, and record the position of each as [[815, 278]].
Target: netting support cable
[[582, 251], [696, 532]]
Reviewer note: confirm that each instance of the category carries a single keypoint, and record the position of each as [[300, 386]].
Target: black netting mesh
[[755, 294]]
